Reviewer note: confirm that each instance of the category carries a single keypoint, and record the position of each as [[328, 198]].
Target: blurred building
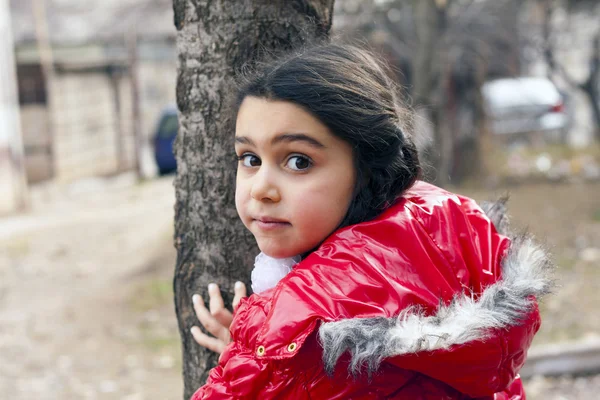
[[77, 113]]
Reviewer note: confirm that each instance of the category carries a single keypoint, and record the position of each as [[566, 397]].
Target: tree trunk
[[484, 145], [215, 39], [431, 21], [444, 119], [592, 86]]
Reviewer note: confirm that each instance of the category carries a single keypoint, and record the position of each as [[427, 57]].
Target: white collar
[[268, 271]]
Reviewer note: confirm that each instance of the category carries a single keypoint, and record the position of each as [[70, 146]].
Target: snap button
[[291, 347], [260, 351]]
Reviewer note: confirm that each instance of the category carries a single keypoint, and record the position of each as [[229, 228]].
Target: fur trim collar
[[525, 273]]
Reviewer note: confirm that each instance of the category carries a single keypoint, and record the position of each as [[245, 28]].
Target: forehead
[[261, 120]]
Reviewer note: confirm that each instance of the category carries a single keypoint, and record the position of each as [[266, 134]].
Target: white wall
[[83, 124]]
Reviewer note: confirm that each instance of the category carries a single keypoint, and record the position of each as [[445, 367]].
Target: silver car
[[517, 106]]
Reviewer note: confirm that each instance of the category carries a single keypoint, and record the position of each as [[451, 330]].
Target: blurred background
[[506, 100]]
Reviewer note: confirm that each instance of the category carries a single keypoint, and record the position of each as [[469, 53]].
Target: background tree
[[590, 85], [457, 46], [431, 20], [214, 40], [443, 51]]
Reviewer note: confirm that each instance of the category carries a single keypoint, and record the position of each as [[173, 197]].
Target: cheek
[[339, 189], [324, 207], [238, 202], [240, 198]]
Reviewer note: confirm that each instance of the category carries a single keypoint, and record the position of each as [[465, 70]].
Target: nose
[[264, 186]]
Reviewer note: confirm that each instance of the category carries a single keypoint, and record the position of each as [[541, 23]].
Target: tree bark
[[215, 39]]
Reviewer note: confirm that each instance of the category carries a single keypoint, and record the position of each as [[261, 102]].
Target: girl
[[403, 291]]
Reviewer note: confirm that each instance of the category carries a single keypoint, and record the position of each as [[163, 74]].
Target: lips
[[271, 220], [268, 223]]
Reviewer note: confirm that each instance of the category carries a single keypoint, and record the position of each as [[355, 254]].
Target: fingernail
[[192, 330], [238, 285], [212, 287], [196, 298]]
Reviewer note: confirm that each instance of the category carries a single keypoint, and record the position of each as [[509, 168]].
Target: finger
[[204, 340], [217, 306], [239, 294], [209, 322]]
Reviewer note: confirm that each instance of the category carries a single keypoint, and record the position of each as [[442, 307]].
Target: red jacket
[[428, 301]]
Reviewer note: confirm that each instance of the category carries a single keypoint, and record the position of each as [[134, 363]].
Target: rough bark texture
[[215, 38]]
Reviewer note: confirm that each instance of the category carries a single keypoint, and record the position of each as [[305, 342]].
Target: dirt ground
[[86, 301], [85, 295]]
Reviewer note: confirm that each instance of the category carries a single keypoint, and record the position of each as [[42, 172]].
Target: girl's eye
[[249, 160], [298, 163]]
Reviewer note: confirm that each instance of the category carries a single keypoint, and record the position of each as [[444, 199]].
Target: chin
[[279, 253]]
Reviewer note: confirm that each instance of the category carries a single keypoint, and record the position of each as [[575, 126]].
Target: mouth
[[268, 223]]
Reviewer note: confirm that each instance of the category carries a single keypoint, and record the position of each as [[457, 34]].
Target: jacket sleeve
[[239, 375], [242, 373], [476, 342], [215, 387], [242, 376], [481, 367]]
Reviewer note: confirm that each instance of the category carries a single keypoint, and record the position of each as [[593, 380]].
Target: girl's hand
[[218, 319]]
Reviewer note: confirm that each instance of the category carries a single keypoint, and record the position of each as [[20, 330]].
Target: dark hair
[[350, 92]]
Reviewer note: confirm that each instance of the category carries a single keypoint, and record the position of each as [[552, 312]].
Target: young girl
[[402, 290]]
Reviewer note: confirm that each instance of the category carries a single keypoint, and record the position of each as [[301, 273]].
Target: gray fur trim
[[526, 272]]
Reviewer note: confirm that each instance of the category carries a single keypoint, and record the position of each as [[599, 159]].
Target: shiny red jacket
[[428, 301]]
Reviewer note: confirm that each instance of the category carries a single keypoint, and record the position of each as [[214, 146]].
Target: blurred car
[[163, 140], [525, 105]]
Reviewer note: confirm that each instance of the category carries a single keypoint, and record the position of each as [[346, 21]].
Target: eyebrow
[[287, 137]]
